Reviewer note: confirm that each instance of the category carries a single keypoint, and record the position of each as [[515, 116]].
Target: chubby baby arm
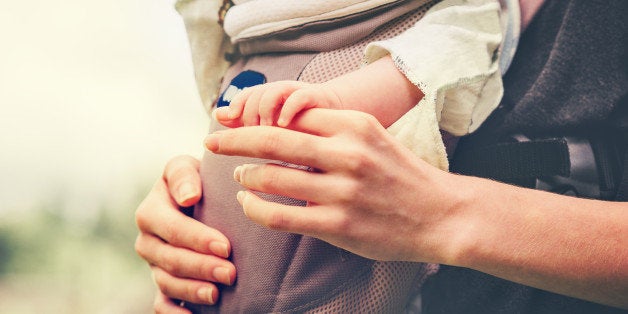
[[378, 89], [276, 102]]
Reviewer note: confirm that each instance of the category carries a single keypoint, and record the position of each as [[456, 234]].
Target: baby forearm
[[379, 89]]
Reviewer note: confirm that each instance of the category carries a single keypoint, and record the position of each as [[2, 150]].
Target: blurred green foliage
[[54, 262]]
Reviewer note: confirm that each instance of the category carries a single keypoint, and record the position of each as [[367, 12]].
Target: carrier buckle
[[583, 178]]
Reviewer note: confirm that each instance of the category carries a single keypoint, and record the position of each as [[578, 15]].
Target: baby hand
[[259, 105]]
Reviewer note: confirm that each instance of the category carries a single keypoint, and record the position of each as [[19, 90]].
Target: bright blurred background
[[95, 97]]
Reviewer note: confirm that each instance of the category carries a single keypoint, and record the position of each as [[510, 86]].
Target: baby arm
[[379, 89]]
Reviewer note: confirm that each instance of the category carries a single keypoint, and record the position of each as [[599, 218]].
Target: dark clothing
[[569, 73], [569, 77]]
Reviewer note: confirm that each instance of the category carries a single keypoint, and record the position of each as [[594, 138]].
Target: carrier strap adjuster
[[577, 166], [512, 161]]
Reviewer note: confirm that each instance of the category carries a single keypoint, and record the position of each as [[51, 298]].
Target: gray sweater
[[568, 77]]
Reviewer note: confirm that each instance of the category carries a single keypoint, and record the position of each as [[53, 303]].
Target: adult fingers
[[184, 263], [158, 215], [323, 153], [163, 304], [266, 142], [188, 290], [311, 220], [181, 175], [330, 122], [295, 183]]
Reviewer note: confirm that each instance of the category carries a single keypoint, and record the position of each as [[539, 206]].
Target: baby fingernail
[[231, 113]]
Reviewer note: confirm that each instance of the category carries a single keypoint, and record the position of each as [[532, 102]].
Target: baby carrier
[[282, 272]]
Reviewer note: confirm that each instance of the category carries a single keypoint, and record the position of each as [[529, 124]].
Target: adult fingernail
[[240, 196], [186, 192], [212, 141], [219, 248], [236, 174], [222, 274], [207, 294]]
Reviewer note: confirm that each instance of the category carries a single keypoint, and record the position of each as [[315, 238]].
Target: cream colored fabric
[[208, 45], [262, 17], [452, 56], [418, 131]]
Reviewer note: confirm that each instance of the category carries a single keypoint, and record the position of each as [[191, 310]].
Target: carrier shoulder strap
[[511, 161], [620, 123]]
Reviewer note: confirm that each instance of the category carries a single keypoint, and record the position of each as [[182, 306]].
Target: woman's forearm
[[572, 246]]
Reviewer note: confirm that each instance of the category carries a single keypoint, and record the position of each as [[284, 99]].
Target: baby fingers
[[275, 94]]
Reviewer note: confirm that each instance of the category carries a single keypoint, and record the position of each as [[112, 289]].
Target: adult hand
[[359, 196], [370, 195], [186, 256]]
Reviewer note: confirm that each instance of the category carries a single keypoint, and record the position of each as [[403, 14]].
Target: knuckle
[[139, 246], [161, 282], [269, 179], [169, 266], [176, 176], [166, 290], [171, 233], [275, 89], [201, 242], [349, 192], [270, 143], [301, 95], [357, 160], [203, 270], [341, 222], [142, 216], [190, 293], [277, 220], [224, 146], [364, 123], [306, 97], [266, 106], [178, 167]]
